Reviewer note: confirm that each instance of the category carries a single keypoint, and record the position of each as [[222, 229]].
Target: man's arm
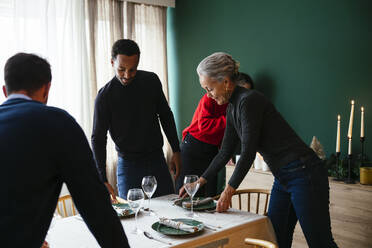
[[87, 190], [99, 135], [169, 126], [99, 140]]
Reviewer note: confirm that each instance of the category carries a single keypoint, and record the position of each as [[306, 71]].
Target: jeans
[[301, 192], [196, 157], [131, 171]]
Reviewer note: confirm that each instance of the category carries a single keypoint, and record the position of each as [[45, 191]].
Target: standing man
[[130, 107], [41, 148]]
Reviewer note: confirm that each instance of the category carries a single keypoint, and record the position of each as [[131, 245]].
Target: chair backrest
[[251, 196], [259, 243], [254, 195], [63, 208]]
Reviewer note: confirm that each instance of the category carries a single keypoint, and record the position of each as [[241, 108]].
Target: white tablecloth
[[72, 231]]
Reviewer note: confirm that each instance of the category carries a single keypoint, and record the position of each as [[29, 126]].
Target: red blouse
[[209, 122]]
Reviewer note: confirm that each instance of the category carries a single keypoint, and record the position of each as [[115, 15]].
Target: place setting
[[175, 226]]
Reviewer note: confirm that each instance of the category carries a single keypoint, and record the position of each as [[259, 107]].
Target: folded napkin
[[198, 202], [178, 225]]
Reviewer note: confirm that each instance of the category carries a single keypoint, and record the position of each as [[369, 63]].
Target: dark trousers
[[196, 157], [131, 171], [301, 192]]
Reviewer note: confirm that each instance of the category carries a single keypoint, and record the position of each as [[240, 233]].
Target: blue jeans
[[131, 171], [301, 192]]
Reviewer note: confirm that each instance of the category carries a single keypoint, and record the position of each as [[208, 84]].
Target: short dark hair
[[25, 71], [244, 78], [125, 47]]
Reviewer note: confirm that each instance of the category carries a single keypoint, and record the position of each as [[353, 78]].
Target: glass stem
[[136, 220], [192, 209], [149, 203]]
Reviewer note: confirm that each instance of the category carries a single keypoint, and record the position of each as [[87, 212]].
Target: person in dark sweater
[[202, 139], [130, 107], [41, 148], [301, 189]]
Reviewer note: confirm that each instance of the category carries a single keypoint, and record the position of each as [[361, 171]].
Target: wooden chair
[[61, 206], [251, 195], [259, 243]]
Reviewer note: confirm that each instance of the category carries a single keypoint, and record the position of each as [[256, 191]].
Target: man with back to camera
[[41, 148], [130, 106]]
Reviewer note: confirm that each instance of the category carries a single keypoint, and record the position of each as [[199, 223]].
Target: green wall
[[311, 58]]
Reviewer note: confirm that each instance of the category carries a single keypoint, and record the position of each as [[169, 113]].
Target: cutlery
[[148, 235], [211, 211], [210, 228]]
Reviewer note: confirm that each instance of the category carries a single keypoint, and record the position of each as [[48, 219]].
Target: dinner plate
[[126, 206], [208, 206], [166, 230]]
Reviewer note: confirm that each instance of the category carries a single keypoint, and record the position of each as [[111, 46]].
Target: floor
[[350, 209]]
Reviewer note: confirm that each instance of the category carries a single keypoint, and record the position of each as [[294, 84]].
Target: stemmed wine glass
[[149, 185], [191, 184], [135, 198]]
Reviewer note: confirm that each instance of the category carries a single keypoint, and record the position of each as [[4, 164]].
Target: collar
[[18, 96], [235, 93]]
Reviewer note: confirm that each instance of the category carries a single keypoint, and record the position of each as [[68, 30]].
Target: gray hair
[[218, 66]]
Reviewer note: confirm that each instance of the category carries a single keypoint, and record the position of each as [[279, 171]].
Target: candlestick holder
[[349, 180], [362, 144], [337, 168]]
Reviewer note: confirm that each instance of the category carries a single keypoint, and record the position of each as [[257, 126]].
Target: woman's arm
[[251, 121], [229, 143]]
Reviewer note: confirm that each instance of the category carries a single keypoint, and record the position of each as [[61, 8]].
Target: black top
[[131, 113], [253, 119], [41, 148]]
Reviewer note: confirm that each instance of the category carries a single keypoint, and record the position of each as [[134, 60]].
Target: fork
[[148, 235]]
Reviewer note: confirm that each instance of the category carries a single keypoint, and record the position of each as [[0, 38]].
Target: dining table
[[227, 229]]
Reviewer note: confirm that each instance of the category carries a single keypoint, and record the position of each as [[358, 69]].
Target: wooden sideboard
[[350, 208]]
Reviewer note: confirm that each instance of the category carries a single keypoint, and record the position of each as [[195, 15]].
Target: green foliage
[[342, 168]]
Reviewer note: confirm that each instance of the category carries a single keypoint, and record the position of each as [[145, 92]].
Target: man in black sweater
[[130, 107], [41, 148]]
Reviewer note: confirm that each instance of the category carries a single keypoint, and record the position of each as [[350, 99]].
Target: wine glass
[[191, 184], [149, 185], [135, 198]]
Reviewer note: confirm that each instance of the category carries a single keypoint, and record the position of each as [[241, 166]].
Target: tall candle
[[338, 134], [350, 132], [362, 124], [349, 152]]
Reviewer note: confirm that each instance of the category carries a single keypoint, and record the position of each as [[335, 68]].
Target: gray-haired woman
[[301, 189]]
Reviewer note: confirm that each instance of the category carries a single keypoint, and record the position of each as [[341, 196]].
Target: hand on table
[[45, 245], [112, 192], [225, 199], [175, 164], [182, 192]]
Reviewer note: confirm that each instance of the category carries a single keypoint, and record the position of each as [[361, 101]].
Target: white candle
[[362, 124], [350, 132], [338, 134], [349, 152]]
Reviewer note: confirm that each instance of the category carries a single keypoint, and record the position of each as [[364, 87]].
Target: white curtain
[[76, 37], [55, 30]]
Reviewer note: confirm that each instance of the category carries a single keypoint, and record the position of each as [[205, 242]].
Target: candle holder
[[349, 180], [362, 144], [337, 168]]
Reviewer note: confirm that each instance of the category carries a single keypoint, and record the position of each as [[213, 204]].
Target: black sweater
[[41, 148], [253, 119], [131, 114]]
